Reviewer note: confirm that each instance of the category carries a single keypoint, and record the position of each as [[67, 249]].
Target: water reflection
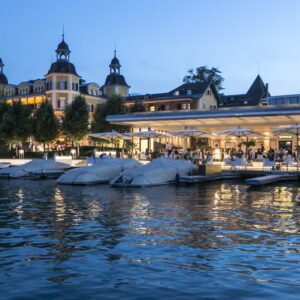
[[87, 235]]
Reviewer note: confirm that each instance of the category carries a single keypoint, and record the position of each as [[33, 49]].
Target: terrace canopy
[[258, 118]]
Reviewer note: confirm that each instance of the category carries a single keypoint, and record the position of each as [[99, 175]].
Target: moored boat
[[34, 166], [159, 172], [102, 172]]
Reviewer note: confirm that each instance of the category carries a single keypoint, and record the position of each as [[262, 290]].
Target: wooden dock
[[202, 178], [268, 179]]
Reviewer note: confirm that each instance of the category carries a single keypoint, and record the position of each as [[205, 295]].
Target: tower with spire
[[115, 83], [62, 80]]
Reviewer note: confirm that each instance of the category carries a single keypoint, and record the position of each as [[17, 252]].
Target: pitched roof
[[257, 91], [185, 91]]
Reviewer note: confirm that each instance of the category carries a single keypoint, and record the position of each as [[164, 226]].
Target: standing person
[[169, 148]]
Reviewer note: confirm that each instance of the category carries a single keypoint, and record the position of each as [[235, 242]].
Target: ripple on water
[[214, 241]]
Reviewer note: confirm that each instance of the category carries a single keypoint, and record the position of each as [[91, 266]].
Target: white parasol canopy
[[293, 129], [239, 132], [187, 133], [147, 134], [109, 135]]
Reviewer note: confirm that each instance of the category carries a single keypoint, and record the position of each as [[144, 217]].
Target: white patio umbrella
[[294, 130], [148, 134], [239, 133], [110, 135], [189, 133]]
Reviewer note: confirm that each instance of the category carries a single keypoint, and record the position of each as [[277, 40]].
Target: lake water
[[210, 241]]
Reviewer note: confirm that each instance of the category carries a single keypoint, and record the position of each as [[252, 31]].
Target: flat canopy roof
[[219, 118]]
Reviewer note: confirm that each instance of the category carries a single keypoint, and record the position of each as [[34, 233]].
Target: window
[[204, 105], [61, 102], [162, 107], [208, 92], [62, 85], [152, 108], [179, 106], [176, 93], [189, 92], [91, 108]]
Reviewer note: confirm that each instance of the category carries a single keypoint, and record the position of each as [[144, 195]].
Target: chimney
[[267, 90]]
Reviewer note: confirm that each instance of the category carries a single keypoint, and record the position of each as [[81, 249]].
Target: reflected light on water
[[19, 208], [95, 209], [60, 206], [139, 213]]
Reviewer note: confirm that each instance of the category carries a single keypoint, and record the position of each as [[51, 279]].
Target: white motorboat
[[102, 172], [34, 166], [159, 172], [4, 165]]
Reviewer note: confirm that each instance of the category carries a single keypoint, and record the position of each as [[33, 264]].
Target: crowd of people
[[250, 155]]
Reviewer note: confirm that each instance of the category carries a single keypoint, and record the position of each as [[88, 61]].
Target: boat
[[4, 165], [34, 166], [103, 171], [160, 171]]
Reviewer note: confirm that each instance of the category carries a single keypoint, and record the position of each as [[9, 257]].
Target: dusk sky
[[157, 41]]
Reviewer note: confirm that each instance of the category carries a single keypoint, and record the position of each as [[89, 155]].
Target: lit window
[[152, 108]]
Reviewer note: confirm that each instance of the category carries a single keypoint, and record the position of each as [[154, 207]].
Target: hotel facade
[[198, 106], [62, 84], [188, 106]]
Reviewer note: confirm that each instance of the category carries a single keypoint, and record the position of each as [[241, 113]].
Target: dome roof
[[113, 79], [62, 47], [3, 79], [115, 61], [62, 66]]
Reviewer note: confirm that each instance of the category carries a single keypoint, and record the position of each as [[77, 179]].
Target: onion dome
[[62, 64], [63, 51], [115, 65], [115, 78]]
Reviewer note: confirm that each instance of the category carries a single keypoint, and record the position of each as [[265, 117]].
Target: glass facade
[[284, 100]]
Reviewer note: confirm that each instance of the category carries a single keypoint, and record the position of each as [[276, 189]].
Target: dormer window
[[189, 92], [176, 93]]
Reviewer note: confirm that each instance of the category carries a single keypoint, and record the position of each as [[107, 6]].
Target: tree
[[248, 143], [113, 106], [45, 124], [137, 107], [75, 121], [3, 109], [203, 73], [16, 125]]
